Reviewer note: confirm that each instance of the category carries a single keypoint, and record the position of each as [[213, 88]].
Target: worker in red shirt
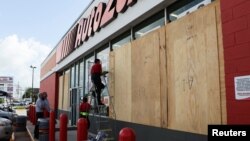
[[84, 110], [96, 72]]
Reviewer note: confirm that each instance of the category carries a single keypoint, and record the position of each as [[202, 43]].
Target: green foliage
[[28, 93], [1, 100]]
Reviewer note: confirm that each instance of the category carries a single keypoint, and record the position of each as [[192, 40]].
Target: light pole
[[32, 89]]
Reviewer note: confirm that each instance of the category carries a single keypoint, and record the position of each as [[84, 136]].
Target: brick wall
[[235, 16], [50, 85]]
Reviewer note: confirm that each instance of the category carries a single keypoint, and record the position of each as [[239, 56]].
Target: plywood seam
[[220, 52]]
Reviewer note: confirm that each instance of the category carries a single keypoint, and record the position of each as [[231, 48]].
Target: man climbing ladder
[[96, 72]]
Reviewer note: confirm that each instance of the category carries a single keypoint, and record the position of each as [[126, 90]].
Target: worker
[[42, 104], [84, 110], [96, 72]]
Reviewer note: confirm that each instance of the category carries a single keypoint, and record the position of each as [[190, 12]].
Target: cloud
[[16, 56]]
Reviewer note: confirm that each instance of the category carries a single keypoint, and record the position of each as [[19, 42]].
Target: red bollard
[[34, 114], [29, 113], [82, 130], [127, 134], [63, 127], [52, 126]]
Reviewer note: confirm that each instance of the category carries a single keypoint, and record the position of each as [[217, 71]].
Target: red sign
[[99, 17]]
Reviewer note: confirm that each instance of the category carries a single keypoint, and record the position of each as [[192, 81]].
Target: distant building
[[6, 84]]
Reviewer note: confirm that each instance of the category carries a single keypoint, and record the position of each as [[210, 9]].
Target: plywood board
[[221, 63], [66, 97], [60, 95], [111, 84], [193, 72], [163, 77], [122, 81], [146, 106]]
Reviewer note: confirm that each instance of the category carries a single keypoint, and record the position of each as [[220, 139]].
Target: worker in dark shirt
[[96, 72], [84, 110]]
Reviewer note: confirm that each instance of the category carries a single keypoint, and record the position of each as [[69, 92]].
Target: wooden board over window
[[60, 95], [193, 72], [122, 81], [146, 106], [66, 91]]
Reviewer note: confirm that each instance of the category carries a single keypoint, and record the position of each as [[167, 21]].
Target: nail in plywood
[[146, 106], [122, 85], [193, 72]]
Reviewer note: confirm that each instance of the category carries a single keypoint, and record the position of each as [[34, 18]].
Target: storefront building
[[175, 66]]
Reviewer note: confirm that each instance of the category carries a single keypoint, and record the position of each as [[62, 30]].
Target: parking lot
[[22, 112]]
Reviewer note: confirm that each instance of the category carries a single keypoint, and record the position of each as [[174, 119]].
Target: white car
[[7, 115], [5, 129]]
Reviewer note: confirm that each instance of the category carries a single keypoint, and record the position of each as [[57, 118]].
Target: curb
[[31, 137], [12, 137]]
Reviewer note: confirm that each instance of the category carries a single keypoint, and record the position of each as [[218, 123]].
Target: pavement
[[28, 135], [21, 136], [71, 132]]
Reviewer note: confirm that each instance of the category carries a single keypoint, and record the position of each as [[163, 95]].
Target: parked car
[[5, 129], [7, 115]]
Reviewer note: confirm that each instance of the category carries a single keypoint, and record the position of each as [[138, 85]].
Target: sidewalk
[[71, 134], [21, 136]]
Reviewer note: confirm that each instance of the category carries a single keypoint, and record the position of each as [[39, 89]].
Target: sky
[[29, 30]]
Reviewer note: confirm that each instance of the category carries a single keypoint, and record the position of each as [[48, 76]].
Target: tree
[[1, 100], [28, 93]]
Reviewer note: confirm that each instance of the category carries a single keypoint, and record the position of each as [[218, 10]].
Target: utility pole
[[32, 89]]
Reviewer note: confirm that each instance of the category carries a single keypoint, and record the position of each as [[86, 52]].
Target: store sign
[[99, 17], [242, 87]]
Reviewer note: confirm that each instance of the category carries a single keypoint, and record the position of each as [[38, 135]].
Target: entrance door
[[74, 105]]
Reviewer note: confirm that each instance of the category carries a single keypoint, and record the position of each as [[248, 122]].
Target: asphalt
[[21, 136], [71, 132], [28, 134]]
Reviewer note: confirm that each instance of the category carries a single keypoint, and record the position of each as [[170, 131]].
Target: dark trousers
[[36, 130], [96, 79]]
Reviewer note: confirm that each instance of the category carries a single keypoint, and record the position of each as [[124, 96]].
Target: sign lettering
[[99, 17]]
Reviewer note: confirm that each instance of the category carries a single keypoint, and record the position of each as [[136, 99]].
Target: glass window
[[150, 24], [182, 8], [81, 78], [104, 57], [88, 64], [72, 77], [77, 74], [121, 40], [81, 74]]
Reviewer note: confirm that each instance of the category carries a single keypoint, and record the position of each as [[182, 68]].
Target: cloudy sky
[[29, 30]]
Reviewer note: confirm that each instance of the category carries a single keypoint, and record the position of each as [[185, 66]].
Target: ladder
[[102, 115]]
